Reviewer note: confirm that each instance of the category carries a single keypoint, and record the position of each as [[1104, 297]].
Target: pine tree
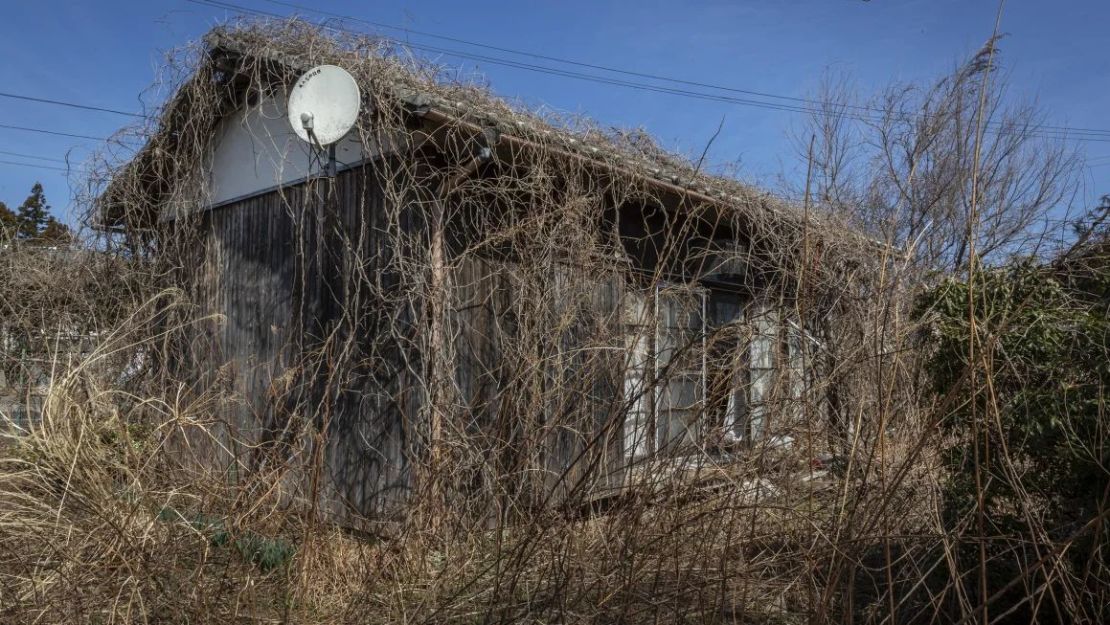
[[9, 223], [33, 213], [55, 232]]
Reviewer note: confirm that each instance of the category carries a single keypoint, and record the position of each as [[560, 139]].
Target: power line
[[627, 72], [52, 132], [34, 165], [527, 66], [40, 158], [1041, 131], [544, 57], [1055, 130], [75, 105]]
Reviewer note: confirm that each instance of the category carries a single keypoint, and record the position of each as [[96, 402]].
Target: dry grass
[[112, 509]]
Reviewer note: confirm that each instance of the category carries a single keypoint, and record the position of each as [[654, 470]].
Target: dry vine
[[479, 318]]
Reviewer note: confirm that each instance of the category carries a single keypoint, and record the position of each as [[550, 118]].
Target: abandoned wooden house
[[538, 308]]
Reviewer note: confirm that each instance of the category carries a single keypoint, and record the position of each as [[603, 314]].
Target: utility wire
[[805, 106], [544, 57], [87, 107], [34, 165], [527, 66], [52, 132], [627, 72], [1056, 130], [40, 158]]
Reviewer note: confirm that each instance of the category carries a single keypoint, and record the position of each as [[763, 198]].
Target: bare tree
[[901, 164]]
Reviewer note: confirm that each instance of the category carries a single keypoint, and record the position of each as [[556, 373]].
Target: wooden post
[[440, 365]]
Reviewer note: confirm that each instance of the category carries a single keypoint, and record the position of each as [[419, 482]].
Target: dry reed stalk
[[113, 510]]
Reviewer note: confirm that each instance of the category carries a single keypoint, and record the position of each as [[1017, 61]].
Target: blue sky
[[107, 53]]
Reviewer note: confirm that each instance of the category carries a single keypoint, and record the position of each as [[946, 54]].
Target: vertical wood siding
[[284, 269], [268, 274]]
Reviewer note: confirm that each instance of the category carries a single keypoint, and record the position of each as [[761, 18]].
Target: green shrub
[[265, 553], [1031, 411]]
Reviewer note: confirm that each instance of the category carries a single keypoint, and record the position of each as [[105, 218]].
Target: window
[[798, 358], [708, 368], [764, 324], [638, 329], [679, 345], [770, 368], [727, 362], [664, 380]]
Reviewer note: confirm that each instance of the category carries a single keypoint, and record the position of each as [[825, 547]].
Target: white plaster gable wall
[[256, 151]]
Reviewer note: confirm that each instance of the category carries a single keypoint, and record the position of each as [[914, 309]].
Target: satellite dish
[[324, 105]]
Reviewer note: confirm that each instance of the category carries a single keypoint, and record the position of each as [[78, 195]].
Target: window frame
[[769, 362]]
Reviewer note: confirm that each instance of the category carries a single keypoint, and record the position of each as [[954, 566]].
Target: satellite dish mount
[[323, 107]]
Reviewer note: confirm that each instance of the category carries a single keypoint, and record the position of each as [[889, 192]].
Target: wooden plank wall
[[267, 272], [539, 376]]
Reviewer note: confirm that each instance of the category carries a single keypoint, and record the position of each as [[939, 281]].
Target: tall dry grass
[[112, 509]]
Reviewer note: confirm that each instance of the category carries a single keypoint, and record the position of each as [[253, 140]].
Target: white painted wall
[[256, 150]]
